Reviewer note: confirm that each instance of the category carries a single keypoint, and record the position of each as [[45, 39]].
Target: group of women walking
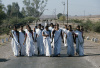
[[47, 38]]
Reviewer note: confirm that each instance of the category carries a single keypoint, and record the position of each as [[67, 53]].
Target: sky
[[76, 7]]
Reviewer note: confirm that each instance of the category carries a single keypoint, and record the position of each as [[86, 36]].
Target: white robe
[[40, 41], [21, 40], [65, 41], [79, 43], [46, 23], [70, 43], [57, 42], [15, 44], [51, 29], [47, 43], [26, 30], [29, 44], [52, 40]]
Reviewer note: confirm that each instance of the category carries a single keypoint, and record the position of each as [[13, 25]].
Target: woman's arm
[[50, 34], [82, 36], [32, 36], [44, 34], [25, 39], [61, 34], [53, 34], [18, 37]]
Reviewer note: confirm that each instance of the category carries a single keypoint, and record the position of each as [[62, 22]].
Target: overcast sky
[[76, 7]]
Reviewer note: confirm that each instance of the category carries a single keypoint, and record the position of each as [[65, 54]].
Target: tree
[[62, 18], [35, 8], [59, 15], [23, 12], [2, 13], [9, 10], [14, 10]]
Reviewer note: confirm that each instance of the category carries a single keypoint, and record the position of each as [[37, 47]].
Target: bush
[[29, 19], [96, 27], [4, 30], [77, 21], [88, 25], [62, 18], [8, 23]]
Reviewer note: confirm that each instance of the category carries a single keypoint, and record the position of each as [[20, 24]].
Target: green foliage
[[96, 27], [23, 12], [77, 21], [29, 19], [35, 8], [60, 14], [2, 14], [14, 17], [14, 10], [62, 18], [4, 30], [19, 21], [88, 25], [9, 10]]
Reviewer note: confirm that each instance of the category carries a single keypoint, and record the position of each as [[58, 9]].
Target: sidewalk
[[92, 52]]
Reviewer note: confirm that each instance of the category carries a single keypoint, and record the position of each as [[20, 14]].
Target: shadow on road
[[3, 60], [90, 54], [61, 55]]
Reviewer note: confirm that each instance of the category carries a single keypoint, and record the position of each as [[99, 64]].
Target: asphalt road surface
[[46, 62]]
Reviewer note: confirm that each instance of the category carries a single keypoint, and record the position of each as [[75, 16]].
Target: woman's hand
[[23, 43]]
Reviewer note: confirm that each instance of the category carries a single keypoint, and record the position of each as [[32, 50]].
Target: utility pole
[[67, 12], [63, 12], [84, 14], [55, 15]]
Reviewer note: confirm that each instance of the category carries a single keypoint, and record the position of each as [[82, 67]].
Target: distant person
[[29, 42], [57, 34], [82, 29], [52, 36], [26, 30], [79, 41], [40, 40], [46, 40], [35, 27], [51, 27], [65, 30], [21, 40], [70, 41], [42, 27], [15, 41], [46, 23]]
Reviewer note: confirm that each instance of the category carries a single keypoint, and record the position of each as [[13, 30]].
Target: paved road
[[46, 62]]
